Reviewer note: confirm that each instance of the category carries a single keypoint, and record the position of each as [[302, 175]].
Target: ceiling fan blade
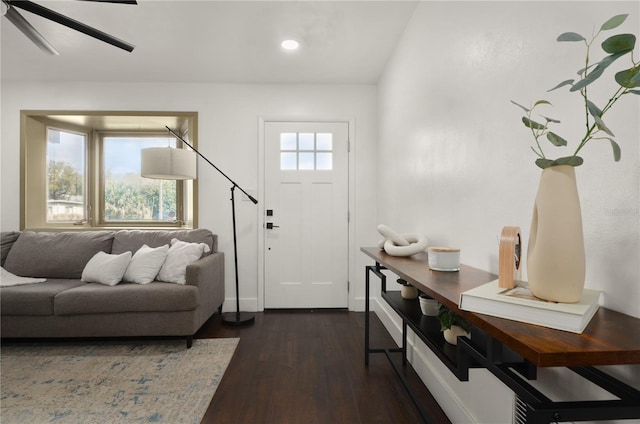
[[114, 1], [71, 23], [27, 29]]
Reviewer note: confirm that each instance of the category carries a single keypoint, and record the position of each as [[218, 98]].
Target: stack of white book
[[519, 304]]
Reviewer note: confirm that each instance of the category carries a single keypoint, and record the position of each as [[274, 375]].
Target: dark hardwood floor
[[308, 367]]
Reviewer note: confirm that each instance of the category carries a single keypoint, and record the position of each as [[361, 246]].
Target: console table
[[512, 351]]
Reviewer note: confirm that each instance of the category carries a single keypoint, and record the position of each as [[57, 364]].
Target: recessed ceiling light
[[290, 44]]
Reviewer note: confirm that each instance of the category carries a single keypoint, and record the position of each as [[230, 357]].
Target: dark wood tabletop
[[611, 338]]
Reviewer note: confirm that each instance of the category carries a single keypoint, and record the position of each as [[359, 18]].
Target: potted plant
[[407, 291], [452, 325], [555, 257]]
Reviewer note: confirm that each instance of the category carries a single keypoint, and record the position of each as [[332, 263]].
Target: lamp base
[[238, 318]]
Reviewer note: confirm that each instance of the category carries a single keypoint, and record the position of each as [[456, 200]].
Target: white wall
[[228, 135], [455, 162]]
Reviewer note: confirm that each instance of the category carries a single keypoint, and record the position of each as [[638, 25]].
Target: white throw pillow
[[181, 254], [145, 264], [106, 269]]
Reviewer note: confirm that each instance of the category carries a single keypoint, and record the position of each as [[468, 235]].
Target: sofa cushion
[[56, 255], [7, 238], [126, 297], [34, 299], [132, 240]]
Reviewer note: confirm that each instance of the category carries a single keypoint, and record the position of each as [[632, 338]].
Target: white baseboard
[[426, 364], [246, 305]]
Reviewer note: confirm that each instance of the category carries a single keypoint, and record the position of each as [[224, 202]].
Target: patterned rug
[[111, 382]]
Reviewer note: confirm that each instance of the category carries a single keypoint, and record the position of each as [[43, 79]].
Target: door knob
[[270, 226]]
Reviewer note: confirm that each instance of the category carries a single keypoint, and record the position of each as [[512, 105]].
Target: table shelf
[[512, 350], [425, 327]]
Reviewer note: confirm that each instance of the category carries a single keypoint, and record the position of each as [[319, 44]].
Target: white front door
[[306, 208]]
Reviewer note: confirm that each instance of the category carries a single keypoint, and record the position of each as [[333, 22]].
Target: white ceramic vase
[[451, 334], [555, 256]]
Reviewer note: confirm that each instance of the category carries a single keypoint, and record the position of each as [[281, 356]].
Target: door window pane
[[127, 195], [288, 161], [306, 161], [288, 141], [324, 141], [66, 176], [324, 161], [306, 141]]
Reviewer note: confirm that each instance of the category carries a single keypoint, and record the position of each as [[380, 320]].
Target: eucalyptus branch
[[628, 80], [588, 135]]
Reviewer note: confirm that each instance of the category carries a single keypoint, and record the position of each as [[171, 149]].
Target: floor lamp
[[179, 164]]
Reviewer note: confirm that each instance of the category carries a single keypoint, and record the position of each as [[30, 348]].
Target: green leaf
[[593, 109], [594, 75], [629, 78], [519, 105], [568, 160], [614, 22], [583, 70], [616, 149], [562, 84], [551, 120], [602, 126], [570, 36], [634, 92], [544, 163], [597, 71], [532, 124], [555, 139], [621, 43], [541, 102]]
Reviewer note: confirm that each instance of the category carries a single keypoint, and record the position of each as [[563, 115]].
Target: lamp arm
[[253, 199]]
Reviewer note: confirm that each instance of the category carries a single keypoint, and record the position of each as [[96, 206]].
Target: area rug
[[111, 382]]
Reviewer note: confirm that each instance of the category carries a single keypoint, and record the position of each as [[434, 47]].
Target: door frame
[[350, 121]]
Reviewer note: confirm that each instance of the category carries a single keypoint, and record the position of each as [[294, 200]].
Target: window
[[126, 196], [66, 176], [90, 166], [306, 151]]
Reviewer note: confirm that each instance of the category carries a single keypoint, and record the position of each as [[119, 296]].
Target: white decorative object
[[555, 257], [180, 255], [394, 243], [451, 334], [106, 269], [444, 259], [429, 306], [390, 234], [145, 264]]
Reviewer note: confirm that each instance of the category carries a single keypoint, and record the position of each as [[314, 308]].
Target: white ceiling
[[342, 42]]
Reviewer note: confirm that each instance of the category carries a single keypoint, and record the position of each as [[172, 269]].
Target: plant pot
[[451, 334], [429, 306], [555, 257], [408, 292]]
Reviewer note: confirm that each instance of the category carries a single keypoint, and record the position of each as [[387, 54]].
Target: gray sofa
[[64, 306]]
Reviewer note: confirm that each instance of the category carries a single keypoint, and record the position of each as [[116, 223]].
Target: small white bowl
[[444, 258], [429, 306]]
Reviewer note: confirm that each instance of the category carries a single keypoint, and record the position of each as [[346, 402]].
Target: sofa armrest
[[208, 275]]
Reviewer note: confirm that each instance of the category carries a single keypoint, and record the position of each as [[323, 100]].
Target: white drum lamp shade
[[166, 163]]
